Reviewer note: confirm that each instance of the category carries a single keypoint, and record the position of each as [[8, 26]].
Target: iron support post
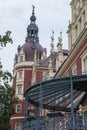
[[72, 105], [25, 123], [41, 100], [40, 107]]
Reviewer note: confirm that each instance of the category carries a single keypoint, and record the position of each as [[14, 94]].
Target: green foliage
[[7, 99], [5, 39]]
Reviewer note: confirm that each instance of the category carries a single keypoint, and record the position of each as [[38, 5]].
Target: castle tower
[[26, 71], [31, 65]]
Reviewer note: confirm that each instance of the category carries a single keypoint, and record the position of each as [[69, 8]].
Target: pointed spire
[[52, 38], [32, 30], [33, 18], [60, 38], [52, 42], [33, 9]]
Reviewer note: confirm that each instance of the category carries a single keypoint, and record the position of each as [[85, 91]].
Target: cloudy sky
[[15, 16]]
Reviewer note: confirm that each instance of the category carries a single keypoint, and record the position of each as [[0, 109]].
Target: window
[[18, 108], [21, 58], [19, 91], [18, 126], [20, 74], [85, 64]]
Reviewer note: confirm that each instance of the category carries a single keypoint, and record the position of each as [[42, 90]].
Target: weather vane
[[33, 7]]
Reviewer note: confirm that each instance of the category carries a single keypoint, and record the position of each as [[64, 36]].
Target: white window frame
[[18, 127], [19, 89], [18, 111], [20, 74]]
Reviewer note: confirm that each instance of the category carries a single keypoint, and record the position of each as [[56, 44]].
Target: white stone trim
[[25, 63], [20, 117]]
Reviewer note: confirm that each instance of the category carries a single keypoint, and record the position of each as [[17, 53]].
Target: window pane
[[19, 108], [19, 90], [18, 126], [20, 75], [21, 58]]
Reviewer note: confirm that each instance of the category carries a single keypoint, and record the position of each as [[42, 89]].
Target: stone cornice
[[21, 64]]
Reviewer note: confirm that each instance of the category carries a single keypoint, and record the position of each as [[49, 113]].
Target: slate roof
[[29, 51]]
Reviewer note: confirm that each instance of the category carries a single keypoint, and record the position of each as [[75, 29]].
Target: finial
[[52, 33], [52, 37], [80, 111], [61, 35], [33, 9], [59, 45], [52, 42], [60, 38], [33, 18], [19, 48]]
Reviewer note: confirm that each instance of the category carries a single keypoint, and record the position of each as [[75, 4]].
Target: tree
[[5, 39], [7, 99]]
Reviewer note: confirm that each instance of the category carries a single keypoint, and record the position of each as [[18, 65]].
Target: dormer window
[[21, 55], [21, 58]]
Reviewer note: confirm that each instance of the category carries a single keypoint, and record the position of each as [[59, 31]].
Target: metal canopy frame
[[56, 93], [62, 94]]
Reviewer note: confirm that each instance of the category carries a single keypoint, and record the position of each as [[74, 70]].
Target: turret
[[32, 30]]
